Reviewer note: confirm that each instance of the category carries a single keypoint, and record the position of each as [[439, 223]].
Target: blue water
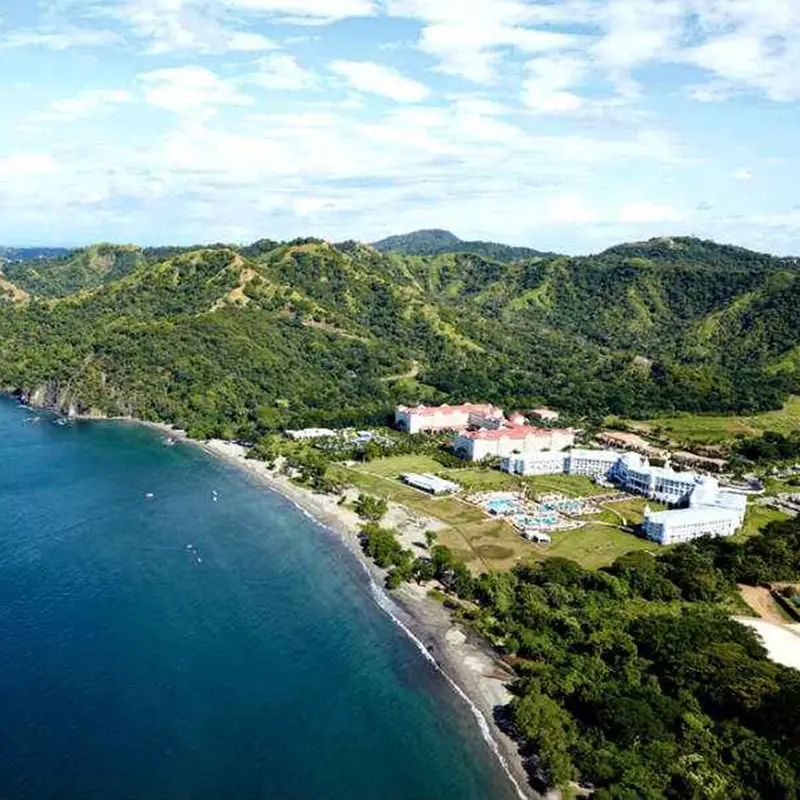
[[254, 665]]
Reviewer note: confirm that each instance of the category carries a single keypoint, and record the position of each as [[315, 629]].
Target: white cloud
[[182, 25], [307, 10], [743, 174], [547, 89], [25, 164], [645, 212], [367, 76], [190, 88], [281, 71], [570, 209], [467, 37], [60, 38], [84, 104]]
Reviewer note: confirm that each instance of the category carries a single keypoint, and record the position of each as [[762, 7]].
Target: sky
[[566, 125]]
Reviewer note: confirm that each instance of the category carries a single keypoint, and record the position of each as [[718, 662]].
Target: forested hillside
[[234, 341], [434, 242], [30, 253]]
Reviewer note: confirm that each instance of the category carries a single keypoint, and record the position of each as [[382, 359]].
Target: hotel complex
[[710, 512], [483, 431]]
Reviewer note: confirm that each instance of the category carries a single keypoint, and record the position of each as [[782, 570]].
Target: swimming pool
[[500, 506]]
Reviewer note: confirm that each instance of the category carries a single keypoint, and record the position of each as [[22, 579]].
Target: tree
[[371, 508], [549, 731]]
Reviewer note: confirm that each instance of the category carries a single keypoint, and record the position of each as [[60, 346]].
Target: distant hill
[[435, 242], [31, 253], [73, 270]]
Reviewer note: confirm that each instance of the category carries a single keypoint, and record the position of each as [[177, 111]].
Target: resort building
[[513, 440], [592, 463], [430, 483], [447, 418], [545, 463], [674, 527], [634, 474]]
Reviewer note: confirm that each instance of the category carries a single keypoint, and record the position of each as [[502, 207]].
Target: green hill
[[31, 253], [233, 341], [73, 271], [435, 242]]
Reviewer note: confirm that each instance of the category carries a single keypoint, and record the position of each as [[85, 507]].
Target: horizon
[[567, 126], [333, 241]]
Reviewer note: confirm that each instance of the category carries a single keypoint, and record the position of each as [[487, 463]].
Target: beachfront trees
[[371, 508]]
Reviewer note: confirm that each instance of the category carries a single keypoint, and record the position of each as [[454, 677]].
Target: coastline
[[464, 660], [468, 664]]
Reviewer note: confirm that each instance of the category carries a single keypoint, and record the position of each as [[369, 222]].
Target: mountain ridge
[[236, 340]]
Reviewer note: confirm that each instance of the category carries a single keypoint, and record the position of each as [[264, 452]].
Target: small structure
[[546, 414], [430, 483], [311, 433]]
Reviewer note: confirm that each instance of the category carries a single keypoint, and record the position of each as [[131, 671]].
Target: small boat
[[169, 442], [149, 495], [60, 422]]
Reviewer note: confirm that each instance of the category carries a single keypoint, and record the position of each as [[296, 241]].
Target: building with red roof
[[510, 440]]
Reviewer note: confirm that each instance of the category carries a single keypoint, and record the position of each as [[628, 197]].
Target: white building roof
[[431, 482], [693, 516], [597, 455]]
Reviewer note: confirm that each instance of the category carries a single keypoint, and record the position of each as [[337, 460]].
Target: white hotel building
[[590, 463], [419, 419]]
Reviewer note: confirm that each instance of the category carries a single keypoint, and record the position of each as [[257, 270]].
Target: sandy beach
[[467, 662]]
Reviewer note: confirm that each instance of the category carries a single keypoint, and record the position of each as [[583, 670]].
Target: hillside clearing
[[716, 429]]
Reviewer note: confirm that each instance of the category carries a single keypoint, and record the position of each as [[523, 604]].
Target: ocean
[[205, 642]]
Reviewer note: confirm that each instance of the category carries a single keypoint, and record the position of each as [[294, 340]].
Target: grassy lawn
[[758, 517], [710, 429], [633, 510], [572, 485], [471, 478], [772, 486], [594, 546], [392, 467]]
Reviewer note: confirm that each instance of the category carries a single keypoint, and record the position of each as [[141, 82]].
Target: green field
[[710, 429], [758, 517], [594, 546]]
